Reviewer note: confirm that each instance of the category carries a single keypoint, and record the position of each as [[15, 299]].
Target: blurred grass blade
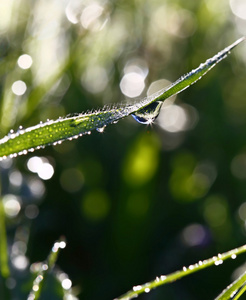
[[4, 268], [44, 268], [164, 279], [235, 290], [53, 132]]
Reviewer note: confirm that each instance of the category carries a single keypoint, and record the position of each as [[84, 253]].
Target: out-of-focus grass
[[123, 231]]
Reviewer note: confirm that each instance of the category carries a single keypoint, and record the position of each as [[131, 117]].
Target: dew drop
[[218, 262], [137, 288], [101, 129], [234, 256], [148, 114]]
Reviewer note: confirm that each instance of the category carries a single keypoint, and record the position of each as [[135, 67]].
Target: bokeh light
[[132, 83], [12, 205], [41, 166], [19, 87], [95, 205], [139, 200], [194, 235], [25, 61], [71, 180], [238, 7]]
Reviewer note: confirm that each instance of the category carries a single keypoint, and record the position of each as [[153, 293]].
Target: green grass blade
[[44, 268], [4, 268], [164, 279], [235, 290], [52, 132]]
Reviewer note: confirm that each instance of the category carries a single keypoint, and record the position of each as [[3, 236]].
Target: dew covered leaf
[[144, 111], [164, 279]]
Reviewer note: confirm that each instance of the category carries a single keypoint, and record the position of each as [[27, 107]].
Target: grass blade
[[43, 268], [235, 290], [164, 279], [52, 132]]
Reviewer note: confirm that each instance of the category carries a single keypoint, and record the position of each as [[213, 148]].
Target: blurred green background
[[135, 201]]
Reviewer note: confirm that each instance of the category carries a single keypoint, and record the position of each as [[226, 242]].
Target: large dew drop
[[148, 114]]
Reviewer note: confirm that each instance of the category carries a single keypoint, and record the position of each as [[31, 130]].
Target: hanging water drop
[[148, 114], [101, 129]]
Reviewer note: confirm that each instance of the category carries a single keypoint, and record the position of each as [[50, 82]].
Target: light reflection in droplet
[[62, 244], [66, 284], [12, 205], [19, 87], [35, 287], [24, 61]]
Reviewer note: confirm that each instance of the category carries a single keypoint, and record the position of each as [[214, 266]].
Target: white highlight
[[20, 262], [19, 87], [238, 7], [24, 61], [132, 84], [11, 205], [41, 166], [90, 17], [66, 284], [173, 118]]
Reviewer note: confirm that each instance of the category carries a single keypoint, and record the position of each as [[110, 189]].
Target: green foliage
[[134, 201], [52, 132], [164, 279]]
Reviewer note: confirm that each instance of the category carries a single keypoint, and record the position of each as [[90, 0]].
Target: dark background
[[136, 201]]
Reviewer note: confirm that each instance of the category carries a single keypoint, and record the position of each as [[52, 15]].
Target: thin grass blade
[[53, 132], [235, 290], [164, 279], [43, 268]]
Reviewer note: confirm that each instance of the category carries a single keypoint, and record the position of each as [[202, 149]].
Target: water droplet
[[218, 262], [234, 256], [184, 269], [137, 288], [148, 114], [101, 129]]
